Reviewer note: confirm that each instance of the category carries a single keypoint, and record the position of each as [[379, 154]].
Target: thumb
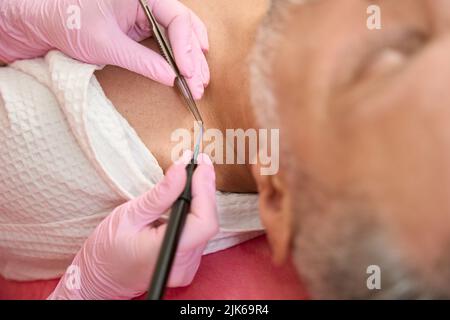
[[128, 54], [151, 205], [202, 222]]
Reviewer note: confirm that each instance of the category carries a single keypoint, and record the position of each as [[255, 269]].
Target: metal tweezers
[[181, 206], [167, 53]]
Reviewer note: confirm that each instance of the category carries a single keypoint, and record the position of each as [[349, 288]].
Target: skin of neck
[[155, 111]]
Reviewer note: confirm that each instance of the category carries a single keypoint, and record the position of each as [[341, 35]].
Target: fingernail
[[185, 157], [205, 73], [206, 47], [204, 41], [198, 92], [203, 158]]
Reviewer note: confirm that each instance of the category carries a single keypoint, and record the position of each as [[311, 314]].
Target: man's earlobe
[[276, 216]]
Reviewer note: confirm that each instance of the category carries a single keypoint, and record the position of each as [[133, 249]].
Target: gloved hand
[[116, 261], [105, 32]]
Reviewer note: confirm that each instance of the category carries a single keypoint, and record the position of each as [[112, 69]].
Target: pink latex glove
[[105, 32], [116, 261]]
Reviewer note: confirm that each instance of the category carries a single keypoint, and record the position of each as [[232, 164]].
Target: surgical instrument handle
[[175, 225]]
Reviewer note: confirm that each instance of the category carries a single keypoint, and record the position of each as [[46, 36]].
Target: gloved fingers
[[151, 205], [127, 53], [201, 32], [188, 38], [189, 55], [185, 267], [204, 187], [139, 33], [201, 77], [202, 222], [141, 29], [181, 36], [176, 19]]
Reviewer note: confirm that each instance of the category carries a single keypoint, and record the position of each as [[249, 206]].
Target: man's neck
[[232, 26], [155, 111]]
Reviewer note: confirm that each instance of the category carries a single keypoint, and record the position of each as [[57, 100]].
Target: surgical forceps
[[167, 53]]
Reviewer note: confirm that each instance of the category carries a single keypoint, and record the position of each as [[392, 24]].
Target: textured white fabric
[[67, 159]]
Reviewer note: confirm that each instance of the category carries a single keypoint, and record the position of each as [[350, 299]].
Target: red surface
[[241, 272]]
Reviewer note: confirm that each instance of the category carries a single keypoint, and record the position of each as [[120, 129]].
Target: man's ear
[[276, 216]]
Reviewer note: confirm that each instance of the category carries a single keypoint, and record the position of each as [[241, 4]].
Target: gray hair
[[334, 249], [262, 59], [268, 37]]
